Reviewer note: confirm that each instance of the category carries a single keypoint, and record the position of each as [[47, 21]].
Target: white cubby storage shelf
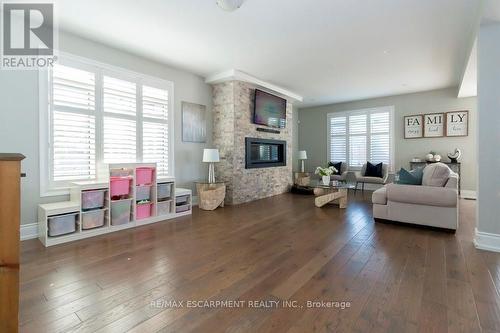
[[161, 201]]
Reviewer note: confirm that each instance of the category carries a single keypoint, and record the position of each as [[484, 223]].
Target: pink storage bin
[[120, 186], [144, 176], [143, 211]]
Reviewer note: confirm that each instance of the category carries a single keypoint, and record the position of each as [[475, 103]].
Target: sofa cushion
[[413, 177], [379, 197], [422, 195], [436, 174], [371, 180], [373, 170], [337, 166]]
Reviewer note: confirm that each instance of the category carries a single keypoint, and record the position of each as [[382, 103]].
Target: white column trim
[[487, 241]]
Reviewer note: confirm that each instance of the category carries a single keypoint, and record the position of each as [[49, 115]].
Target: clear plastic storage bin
[[182, 200], [163, 207], [182, 208], [62, 224], [120, 211], [164, 191], [93, 219], [143, 192], [93, 199]]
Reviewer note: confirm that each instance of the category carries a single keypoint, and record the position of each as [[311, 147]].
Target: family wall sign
[[436, 125]]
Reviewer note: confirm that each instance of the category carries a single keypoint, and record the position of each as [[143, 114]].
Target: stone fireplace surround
[[232, 116]]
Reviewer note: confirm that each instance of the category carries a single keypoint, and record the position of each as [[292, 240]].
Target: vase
[[325, 180]]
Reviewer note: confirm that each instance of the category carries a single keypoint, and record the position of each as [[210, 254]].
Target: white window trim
[[368, 111], [46, 190]]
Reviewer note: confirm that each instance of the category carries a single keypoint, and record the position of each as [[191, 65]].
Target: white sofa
[[434, 203]]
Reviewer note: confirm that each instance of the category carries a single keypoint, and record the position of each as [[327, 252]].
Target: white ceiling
[[325, 50]]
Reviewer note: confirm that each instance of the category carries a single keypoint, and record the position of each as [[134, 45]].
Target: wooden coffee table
[[335, 192]]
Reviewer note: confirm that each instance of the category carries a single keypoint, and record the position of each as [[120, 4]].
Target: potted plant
[[325, 174]]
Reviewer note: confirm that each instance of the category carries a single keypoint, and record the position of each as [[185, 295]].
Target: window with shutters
[[96, 114], [358, 136]]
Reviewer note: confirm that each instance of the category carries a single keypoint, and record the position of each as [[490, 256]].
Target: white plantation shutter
[[120, 123], [97, 115], [73, 146], [119, 96], [357, 140], [72, 119], [155, 146], [72, 87], [155, 128], [119, 140], [338, 139], [380, 137], [359, 136], [155, 103]]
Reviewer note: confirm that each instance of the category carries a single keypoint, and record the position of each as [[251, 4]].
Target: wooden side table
[[301, 178], [211, 195]]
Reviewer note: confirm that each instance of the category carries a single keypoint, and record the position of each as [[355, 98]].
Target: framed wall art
[[457, 123], [434, 125], [413, 126], [194, 124]]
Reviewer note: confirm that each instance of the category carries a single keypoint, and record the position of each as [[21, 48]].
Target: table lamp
[[302, 157], [211, 156]]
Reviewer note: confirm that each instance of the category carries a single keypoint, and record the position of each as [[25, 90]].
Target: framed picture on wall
[[434, 125], [413, 126], [194, 124], [457, 123]]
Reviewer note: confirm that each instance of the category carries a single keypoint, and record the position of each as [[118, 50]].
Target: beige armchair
[[361, 178], [343, 172]]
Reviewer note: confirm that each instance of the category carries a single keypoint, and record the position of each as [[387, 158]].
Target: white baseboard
[[29, 231], [468, 194], [487, 241]]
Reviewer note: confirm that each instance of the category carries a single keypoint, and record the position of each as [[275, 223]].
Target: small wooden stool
[[211, 195]]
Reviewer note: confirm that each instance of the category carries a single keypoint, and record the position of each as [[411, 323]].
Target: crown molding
[[237, 75]]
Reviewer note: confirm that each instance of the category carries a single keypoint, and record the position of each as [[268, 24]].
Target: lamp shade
[[210, 155], [302, 155]]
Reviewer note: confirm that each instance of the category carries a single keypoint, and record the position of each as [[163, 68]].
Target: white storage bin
[[164, 191], [143, 192], [93, 219], [163, 207], [62, 224], [182, 200], [183, 208], [93, 199], [120, 211]]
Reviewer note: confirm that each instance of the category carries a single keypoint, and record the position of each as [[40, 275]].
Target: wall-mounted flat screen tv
[[269, 110]]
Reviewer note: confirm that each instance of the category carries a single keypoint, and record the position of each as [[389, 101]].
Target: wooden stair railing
[[10, 207]]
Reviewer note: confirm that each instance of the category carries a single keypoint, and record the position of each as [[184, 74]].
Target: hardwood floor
[[394, 278]]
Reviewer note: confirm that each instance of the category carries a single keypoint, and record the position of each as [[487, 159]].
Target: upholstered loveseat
[[434, 203]]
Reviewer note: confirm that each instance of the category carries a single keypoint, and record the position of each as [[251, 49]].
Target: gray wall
[[313, 129], [19, 116], [489, 131], [295, 138]]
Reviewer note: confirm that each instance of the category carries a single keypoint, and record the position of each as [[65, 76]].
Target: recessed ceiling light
[[386, 52], [229, 5]]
